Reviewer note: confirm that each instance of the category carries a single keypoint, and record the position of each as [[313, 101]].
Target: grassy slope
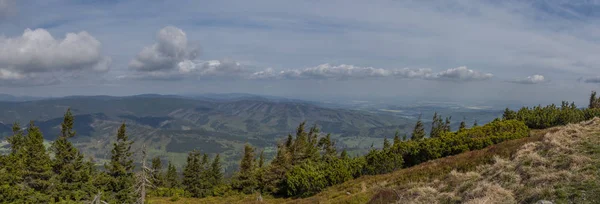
[[363, 189]]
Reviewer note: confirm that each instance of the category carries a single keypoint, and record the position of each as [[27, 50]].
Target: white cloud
[[535, 79], [170, 52], [327, 71], [460, 74], [37, 55]]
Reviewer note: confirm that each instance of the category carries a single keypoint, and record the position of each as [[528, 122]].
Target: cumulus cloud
[[171, 51], [535, 79], [37, 53], [327, 71]]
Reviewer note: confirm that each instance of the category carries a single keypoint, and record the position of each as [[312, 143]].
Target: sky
[[534, 51]]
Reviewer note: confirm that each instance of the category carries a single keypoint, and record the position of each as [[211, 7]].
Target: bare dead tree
[[143, 179]]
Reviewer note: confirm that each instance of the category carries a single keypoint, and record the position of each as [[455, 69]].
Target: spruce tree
[[172, 177], [593, 101], [447, 127], [261, 159], [157, 175], [397, 138], [300, 145], [216, 174], [245, 180], [121, 168], [419, 130], [192, 175], [72, 175], [386, 144], [328, 148], [37, 170], [344, 154], [462, 126]]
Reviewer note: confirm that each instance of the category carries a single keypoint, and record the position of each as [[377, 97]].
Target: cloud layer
[[37, 53], [534, 79], [341, 72]]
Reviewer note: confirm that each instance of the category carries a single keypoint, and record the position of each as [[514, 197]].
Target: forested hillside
[[305, 164]]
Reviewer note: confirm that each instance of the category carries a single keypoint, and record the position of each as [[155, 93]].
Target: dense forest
[[306, 162]]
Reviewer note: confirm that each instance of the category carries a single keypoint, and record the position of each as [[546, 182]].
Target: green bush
[[451, 143]]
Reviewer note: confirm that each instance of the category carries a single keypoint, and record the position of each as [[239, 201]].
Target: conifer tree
[[475, 124], [299, 147], [509, 114], [37, 170], [593, 101], [192, 175], [276, 171], [172, 178], [312, 148], [386, 144], [261, 159], [157, 175], [419, 130], [245, 179], [447, 127], [216, 175], [344, 154], [397, 138], [121, 168], [328, 148], [72, 175], [462, 126]]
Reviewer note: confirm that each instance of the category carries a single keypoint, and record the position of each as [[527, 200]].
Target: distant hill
[[174, 125]]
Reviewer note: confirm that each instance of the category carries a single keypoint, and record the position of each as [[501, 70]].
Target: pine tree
[[463, 126], [397, 138], [386, 144], [245, 179], [261, 159], [344, 154], [419, 130], [447, 127], [157, 175], [509, 114], [121, 167], [72, 175], [37, 171], [593, 101], [300, 146], [328, 148], [312, 148], [216, 175], [172, 178], [192, 175]]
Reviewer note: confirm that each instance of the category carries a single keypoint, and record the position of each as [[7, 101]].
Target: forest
[[306, 162]]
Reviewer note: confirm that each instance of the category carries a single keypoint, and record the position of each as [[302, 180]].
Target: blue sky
[[530, 51]]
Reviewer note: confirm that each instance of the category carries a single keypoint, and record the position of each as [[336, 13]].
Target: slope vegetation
[[560, 164]]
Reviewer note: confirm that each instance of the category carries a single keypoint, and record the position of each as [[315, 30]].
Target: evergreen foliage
[[171, 177], [157, 174], [72, 175], [419, 130], [120, 168]]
